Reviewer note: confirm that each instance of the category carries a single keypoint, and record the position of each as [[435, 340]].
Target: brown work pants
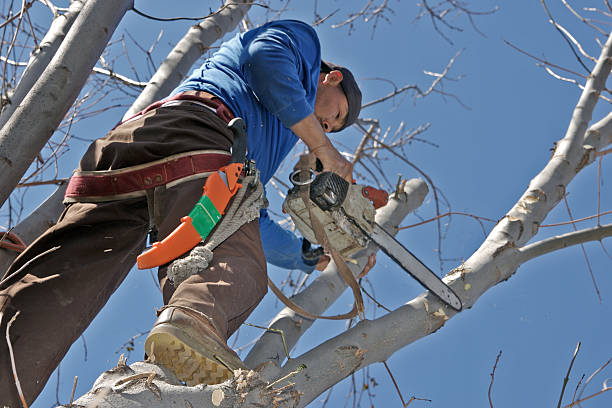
[[67, 275]]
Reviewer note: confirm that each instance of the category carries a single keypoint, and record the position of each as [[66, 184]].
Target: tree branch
[[55, 91], [196, 41], [324, 290], [40, 59]]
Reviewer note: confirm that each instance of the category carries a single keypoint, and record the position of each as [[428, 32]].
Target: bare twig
[[73, 389], [566, 379], [476, 217], [590, 217], [25, 265], [369, 13], [586, 258], [286, 377], [42, 183], [584, 20], [446, 10], [599, 190], [545, 62], [395, 384], [142, 14], [121, 78], [590, 378], [434, 189], [418, 92], [16, 16], [129, 345], [575, 403], [567, 37], [362, 143], [570, 80], [320, 20], [374, 300], [493, 378], [577, 387], [271, 330], [12, 357]]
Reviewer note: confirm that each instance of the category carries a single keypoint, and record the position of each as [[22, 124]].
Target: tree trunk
[[41, 58], [191, 47], [43, 108]]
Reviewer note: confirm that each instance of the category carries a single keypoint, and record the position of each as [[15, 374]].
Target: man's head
[[338, 100]]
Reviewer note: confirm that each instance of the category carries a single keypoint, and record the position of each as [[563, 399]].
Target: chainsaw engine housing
[[332, 201]]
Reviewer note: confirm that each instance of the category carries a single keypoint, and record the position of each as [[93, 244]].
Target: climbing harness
[[220, 187]]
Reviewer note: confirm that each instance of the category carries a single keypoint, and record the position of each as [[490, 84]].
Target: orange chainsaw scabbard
[[218, 191], [182, 239], [195, 227]]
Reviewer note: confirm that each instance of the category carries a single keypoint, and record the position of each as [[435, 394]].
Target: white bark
[[40, 58], [326, 289], [563, 241], [191, 47], [26, 133]]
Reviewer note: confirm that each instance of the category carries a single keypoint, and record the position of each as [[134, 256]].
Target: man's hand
[[333, 161], [310, 131]]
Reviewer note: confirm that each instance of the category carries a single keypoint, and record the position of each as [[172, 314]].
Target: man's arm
[[309, 130], [281, 247], [281, 67]]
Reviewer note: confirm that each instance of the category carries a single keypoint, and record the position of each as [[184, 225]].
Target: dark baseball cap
[[350, 88]]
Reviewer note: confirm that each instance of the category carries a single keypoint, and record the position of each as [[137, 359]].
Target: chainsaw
[[346, 211]]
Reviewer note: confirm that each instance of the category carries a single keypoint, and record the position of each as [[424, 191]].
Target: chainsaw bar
[[411, 264]]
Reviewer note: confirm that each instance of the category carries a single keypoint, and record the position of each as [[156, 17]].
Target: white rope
[[244, 208]]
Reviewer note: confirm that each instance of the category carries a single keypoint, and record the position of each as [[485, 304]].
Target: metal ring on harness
[[302, 183]]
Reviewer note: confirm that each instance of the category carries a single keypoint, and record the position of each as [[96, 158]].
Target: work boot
[[185, 342]]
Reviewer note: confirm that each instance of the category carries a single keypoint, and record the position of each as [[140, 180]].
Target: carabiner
[[302, 183]]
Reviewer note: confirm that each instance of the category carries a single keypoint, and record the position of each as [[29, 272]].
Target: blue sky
[[481, 158]]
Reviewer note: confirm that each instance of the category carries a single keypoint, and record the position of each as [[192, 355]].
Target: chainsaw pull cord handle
[[378, 197]]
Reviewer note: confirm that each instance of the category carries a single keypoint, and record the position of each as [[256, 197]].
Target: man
[[273, 78]]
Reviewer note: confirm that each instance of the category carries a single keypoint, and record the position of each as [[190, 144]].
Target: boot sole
[[172, 348]]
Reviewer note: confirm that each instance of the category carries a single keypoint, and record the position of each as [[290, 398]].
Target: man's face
[[331, 105]]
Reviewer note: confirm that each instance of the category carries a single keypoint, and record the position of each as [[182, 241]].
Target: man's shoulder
[[289, 23], [292, 26]]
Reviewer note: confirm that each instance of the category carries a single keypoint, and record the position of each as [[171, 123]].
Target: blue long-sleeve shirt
[[268, 76]]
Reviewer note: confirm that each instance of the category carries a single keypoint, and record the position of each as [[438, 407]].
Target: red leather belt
[[129, 182], [207, 100]]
